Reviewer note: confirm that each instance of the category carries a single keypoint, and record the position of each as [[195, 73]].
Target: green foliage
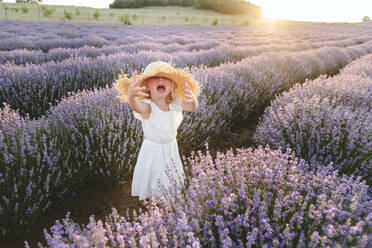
[[163, 18], [215, 21], [125, 19], [13, 9], [68, 15], [134, 17], [119, 4], [96, 14], [47, 12], [112, 14], [223, 6], [245, 22], [186, 19], [77, 12], [230, 7], [29, 1], [24, 10]]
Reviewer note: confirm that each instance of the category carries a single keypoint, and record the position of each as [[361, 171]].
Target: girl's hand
[[190, 103], [189, 95], [135, 89]]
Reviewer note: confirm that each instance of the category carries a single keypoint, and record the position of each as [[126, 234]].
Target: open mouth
[[161, 88]]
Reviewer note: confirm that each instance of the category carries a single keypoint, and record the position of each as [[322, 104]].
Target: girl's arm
[[192, 103], [133, 92]]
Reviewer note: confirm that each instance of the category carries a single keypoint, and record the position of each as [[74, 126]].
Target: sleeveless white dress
[[159, 148]]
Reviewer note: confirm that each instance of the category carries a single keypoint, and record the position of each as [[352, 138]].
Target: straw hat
[[159, 69]]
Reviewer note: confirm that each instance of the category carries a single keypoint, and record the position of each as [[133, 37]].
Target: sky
[[316, 10], [300, 10]]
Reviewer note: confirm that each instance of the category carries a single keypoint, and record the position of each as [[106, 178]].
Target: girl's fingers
[[141, 90], [139, 80], [188, 92], [143, 94], [136, 80], [188, 97]]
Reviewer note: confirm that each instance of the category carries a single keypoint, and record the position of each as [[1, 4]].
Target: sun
[[272, 11], [269, 15]]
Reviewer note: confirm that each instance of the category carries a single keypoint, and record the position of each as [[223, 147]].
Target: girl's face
[[159, 87]]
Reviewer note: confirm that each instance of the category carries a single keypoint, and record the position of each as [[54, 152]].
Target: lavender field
[[303, 181]]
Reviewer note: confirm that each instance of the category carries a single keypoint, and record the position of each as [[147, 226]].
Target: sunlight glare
[[315, 10]]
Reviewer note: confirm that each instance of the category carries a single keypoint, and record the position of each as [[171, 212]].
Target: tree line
[[222, 6]]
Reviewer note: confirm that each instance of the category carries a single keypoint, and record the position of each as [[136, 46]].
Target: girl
[[157, 98]]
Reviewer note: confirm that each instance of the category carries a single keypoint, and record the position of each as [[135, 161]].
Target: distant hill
[[157, 15], [223, 6]]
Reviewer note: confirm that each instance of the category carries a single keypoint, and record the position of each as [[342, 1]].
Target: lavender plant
[[218, 106], [261, 78], [229, 52], [253, 198], [324, 120], [321, 131], [36, 152], [361, 67], [44, 84], [101, 130], [35, 37], [105, 139], [27, 166]]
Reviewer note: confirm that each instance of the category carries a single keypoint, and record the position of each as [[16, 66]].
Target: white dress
[[159, 148]]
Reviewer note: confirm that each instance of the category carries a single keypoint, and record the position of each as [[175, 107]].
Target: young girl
[[157, 98]]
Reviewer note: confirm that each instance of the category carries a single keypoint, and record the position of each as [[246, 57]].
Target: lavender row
[[32, 89], [72, 127], [45, 36], [361, 67], [224, 99], [254, 198], [105, 138], [24, 56], [326, 120], [257, 80], [36, 36], [39, 168]]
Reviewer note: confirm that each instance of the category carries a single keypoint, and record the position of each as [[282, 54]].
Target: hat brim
[[179, 76]]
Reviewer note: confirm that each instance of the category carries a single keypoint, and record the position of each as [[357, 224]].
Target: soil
[[99, 201]]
